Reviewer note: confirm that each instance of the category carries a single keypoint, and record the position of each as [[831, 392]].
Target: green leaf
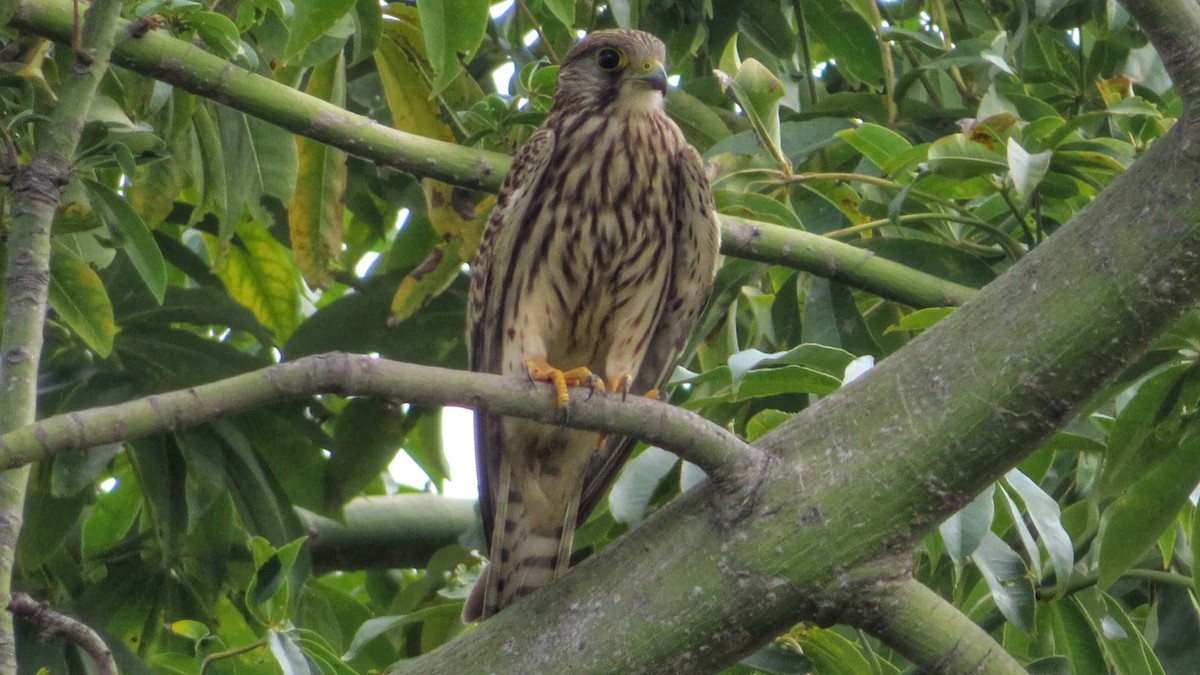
[[193, 630], [453, 30], [878, 144], [289, 655], [938, 259], [1008, 578], [373, 628], [965, 531], [1047, 520], [763, 22], [1026, 170], [639, 480], [920, 319], [1125, 648], [755, 207], [263, 509], [832, 654], [134, 236], [1064, 622], [961, 157], [564, 11], [260, 166], [366, 437], [1028, 544], [764, 421], [700, 123], [368, 17], [1133, 522], [217, 31], [849, 37], [78, 297], [111, 517], [201, 306], [784, 380], [759, 92], [832, 318], [311, 20], [1148, 401]]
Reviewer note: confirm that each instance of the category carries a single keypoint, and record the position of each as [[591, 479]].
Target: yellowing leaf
[[427, 281], [80, 300], [316, 210], [261, 275]]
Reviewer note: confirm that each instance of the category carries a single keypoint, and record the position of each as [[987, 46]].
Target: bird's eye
[[610, 59]]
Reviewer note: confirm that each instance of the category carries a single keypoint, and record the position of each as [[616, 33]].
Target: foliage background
[[197, 242]]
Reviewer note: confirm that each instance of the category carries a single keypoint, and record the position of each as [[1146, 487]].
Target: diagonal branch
[[178, 63]]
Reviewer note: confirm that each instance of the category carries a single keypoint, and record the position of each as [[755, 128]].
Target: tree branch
[[37, 189], [401, 530], [54, 626], [692, 437], [178, 63], [932, 633]]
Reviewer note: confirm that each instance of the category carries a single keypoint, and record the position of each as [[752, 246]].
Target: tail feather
[[532, 532]]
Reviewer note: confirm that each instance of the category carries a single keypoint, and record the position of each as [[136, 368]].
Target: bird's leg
[[540, 370]]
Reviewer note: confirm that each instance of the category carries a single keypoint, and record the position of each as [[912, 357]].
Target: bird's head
[[622, 69]]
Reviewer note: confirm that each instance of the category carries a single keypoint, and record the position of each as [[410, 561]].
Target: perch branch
[[701, 442]]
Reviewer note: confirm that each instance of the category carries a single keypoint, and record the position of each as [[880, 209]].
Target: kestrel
[[594, 268]]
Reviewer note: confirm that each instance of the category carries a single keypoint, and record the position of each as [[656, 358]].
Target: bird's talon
[[595, 383], [621, 383], [540, 370]]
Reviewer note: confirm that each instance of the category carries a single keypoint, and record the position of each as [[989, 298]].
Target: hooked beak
[[653, 74]]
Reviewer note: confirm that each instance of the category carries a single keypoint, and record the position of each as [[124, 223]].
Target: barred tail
[[531, 547]]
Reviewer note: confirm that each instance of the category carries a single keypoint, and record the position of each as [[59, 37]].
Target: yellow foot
[[541, 371], [621, 383]]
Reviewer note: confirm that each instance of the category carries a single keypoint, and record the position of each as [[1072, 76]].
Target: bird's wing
[[484, 329], [697, 241]]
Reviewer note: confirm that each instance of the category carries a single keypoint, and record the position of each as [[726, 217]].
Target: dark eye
[[609, 59]]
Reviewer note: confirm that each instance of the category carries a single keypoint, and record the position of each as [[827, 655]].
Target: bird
[[595, 265]]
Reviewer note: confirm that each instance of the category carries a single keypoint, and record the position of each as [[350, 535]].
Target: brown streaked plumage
[[598, 258]]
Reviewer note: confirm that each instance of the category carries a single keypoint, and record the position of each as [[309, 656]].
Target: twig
[[54, 626]]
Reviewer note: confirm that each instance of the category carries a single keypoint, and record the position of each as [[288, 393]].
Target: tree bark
[[36, 191]]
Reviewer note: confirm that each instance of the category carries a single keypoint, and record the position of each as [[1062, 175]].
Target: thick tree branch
[[402, 530], [37, 188], [54, 626], [161, 56], [692, 437]]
